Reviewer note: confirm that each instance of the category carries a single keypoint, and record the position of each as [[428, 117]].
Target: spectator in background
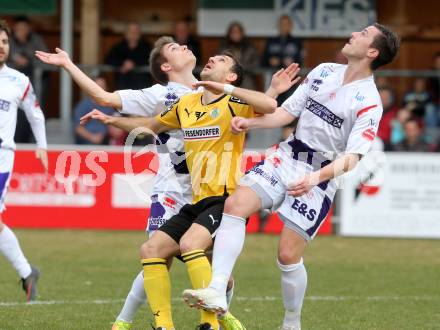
[[283, 50], [422, 100], [23, 44], [239, 45], [397, 126], [128, 55], [434, 82], [389, 113], [413, 138], [182, 35], [94, 132]]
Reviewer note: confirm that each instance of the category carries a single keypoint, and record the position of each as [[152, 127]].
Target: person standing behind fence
[[128, 55], [236, 42], [93, 132], [283, 50]]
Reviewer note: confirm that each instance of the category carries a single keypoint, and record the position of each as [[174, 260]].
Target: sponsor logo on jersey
[[270, 178], [332, 95], [4, 105], [236, 100], [324, 74], [315, 84], [304, 210], [200, 114], [171, 203], [187, 112], [369, 134], [215, 113], [170, 98], [359, 97], [201, 133], [324, 113]]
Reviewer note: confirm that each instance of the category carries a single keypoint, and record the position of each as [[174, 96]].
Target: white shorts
[[269, 179], [163, 206], [6, 165]]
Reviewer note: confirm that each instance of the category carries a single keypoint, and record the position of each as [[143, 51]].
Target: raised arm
[[61, 59], [279, 118], [283, 80], [261, 102], [126, 123]]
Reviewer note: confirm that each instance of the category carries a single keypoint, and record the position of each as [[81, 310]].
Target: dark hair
[[240, 27], [436, 54], [157, 59], [236, 68], [21, 19], [5, 27], [387, 43]]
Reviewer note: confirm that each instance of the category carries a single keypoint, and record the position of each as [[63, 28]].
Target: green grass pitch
[[354, 283]]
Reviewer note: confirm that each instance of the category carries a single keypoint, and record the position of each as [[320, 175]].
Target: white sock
[[10, 248], [229, 242], [135, 299], [230, 294], [293, 287]]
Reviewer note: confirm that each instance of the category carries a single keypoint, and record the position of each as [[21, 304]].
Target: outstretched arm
[[61, 59], [126, 123], [279, 118], [259, 101], [336, 168]]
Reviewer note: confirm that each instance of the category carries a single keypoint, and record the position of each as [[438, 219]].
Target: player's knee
[[190, 243], [149, 250], [233, 205], [288, 255]]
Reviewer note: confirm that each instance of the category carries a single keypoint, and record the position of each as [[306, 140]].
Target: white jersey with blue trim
[[173, 175], [16, 92], [333, 117]]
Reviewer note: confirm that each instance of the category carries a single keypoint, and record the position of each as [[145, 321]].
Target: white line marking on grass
[[265, 298]]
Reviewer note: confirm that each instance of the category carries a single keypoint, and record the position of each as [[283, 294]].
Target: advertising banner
[[393, 195], [106, 189]]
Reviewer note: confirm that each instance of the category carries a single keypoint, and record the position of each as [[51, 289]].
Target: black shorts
[[207, 212]]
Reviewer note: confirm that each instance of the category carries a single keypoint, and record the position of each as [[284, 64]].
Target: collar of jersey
[[174, 84], [215, 101]]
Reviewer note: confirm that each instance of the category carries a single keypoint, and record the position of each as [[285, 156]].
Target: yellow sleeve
[[245, 111], [170, 116]]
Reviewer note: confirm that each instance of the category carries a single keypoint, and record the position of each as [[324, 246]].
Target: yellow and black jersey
[[213, 153]]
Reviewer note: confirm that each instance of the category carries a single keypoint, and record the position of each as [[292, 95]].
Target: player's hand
[[96, 114], [303, 185], [41, 154], [212, 86], [239, 125], [284, 79], [59, 58]]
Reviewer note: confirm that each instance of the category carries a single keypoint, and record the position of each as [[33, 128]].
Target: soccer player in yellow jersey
[[213, 156]]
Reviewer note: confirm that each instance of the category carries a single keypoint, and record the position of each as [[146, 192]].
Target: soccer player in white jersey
[[171, 65], [339, 110], [16, 92]]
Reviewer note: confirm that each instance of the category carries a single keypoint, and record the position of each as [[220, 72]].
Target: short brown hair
[[387, 43], [157, 59], [5, 27], [236, 68]]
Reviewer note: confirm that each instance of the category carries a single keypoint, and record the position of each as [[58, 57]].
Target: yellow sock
[[158, 289], [200, 273]]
